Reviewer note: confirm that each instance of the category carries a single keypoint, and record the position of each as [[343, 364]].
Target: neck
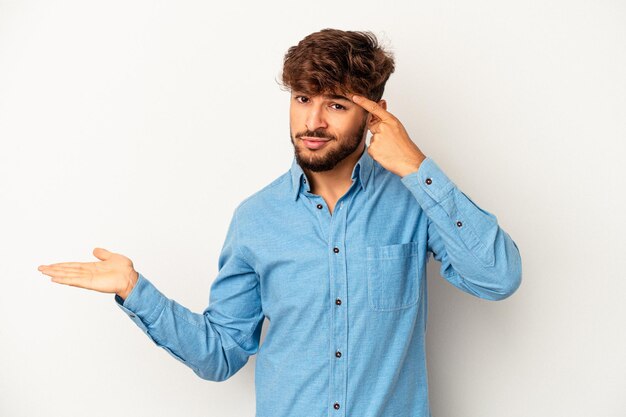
[[335, 182]]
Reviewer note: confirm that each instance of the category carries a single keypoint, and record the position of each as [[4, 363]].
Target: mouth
[[312, 139], [313, 143]]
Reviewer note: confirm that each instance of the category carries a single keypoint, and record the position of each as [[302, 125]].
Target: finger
[[372, 107], [61, 272], [80, 282], [102, 253], [74, 278], [65, 264]]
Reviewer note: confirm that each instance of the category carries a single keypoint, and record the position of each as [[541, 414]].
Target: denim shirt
[[345, 294]]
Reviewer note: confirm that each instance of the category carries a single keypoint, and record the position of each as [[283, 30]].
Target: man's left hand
[[390, 144]]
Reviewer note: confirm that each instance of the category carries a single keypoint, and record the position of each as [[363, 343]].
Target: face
[[325, 129]]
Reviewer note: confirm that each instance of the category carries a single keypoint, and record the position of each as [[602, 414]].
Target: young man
[[333, 253]]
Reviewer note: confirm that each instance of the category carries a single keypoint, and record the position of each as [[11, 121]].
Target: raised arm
[[476, 254], [216, 343]]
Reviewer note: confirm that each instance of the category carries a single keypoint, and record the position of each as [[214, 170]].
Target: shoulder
[[271, 195]]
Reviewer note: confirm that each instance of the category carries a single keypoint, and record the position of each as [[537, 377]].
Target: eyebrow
[[336, 97], [330, 96]]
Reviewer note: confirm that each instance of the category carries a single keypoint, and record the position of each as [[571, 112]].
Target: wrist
[[412, 166], [131, 282]]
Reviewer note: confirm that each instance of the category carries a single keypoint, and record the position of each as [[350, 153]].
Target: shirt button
[[459, 224], [304, 180], [336, 405], [336, 250], [338, 354], [319, 206], [338, 301], [429, 181]]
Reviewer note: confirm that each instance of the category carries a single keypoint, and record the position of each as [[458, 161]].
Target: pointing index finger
[[372, 107]]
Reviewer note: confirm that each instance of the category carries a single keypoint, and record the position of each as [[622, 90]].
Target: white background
[[138, 126]]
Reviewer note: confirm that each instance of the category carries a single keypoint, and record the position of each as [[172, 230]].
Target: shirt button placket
[[339, 329]]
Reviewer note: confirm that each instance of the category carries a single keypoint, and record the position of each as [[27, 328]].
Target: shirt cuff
[[143, 303], [429, 184]]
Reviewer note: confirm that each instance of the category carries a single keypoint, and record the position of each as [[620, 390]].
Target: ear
[[371, 119]]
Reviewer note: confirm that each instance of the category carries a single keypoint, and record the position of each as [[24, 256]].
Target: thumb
[[102, 254]]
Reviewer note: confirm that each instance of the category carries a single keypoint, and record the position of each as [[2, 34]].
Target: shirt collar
[[362, 170]]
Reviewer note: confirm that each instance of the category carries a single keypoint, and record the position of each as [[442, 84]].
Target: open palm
[[114, 273]]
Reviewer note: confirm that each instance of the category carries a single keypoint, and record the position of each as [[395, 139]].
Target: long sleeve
[[218, 342], [476, 254]]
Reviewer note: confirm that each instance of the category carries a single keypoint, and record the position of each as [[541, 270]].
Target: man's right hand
[[114, 274]]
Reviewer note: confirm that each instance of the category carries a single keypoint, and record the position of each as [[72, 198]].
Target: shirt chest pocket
[[394, 275]]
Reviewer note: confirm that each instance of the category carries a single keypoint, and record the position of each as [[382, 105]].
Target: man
[[333, 253]]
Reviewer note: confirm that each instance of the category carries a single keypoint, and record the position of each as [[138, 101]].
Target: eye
[[301, 97], [341, 107]]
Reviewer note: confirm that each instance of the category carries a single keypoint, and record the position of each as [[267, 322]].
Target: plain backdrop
[[138, 126]]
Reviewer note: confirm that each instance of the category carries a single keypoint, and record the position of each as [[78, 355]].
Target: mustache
[[315, 134]]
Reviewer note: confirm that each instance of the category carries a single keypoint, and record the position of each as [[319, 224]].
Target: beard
[[330, 157]]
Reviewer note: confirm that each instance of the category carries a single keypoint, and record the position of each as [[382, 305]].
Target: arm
[[218, 342], [476, 254]]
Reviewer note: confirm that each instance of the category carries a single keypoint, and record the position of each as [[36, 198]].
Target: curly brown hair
[[334, 61]]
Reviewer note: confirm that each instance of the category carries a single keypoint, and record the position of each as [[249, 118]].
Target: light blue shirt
[[345, 294]]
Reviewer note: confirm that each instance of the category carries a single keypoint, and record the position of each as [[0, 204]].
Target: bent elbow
[[510, 280], [213, 375], [232, 358], [511, 285], [222, 370]]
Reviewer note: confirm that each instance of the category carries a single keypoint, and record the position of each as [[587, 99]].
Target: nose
[[315, 119]]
